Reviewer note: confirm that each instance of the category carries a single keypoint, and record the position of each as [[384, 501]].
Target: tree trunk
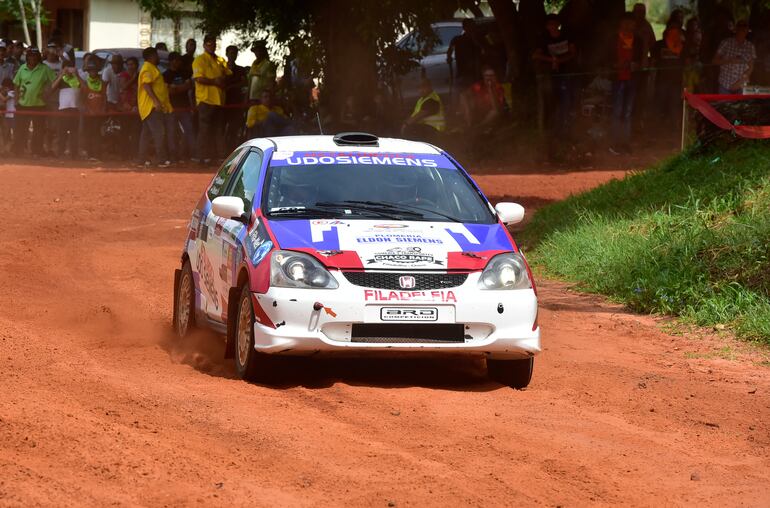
[[351, 66], [505, 17], [23, 14]]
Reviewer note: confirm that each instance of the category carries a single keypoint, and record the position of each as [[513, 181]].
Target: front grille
[[407, 333], [422, 281]]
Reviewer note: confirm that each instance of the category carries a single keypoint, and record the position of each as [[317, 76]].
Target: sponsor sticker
[[409, 314], [401, 256]]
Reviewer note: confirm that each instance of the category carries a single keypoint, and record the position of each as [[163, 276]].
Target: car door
[[208, 246], [225, 240]]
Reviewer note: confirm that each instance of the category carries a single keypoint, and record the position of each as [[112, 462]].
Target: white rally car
[[355, 244]]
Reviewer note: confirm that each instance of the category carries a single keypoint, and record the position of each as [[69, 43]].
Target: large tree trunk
[[505, 17], [351, 66]]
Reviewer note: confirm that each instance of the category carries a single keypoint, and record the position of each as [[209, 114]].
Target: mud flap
[[232, 316], [177, 276]]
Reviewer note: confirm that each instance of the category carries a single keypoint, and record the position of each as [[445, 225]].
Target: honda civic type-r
[[355, 244]]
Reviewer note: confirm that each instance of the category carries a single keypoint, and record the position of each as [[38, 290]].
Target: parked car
[[106, 54], [353, 244], [434, 63]]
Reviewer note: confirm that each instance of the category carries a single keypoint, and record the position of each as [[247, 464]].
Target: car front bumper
[[498, 324]]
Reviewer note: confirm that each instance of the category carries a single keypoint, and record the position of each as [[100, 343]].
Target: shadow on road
[[204, 351]]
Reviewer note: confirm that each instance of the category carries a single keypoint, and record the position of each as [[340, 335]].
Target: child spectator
[[68, 85], [95, 105]]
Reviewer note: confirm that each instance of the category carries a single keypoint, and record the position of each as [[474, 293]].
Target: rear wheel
[[513, 373], [184, 304]]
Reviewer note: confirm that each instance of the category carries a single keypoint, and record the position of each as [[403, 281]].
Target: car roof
[[327, 144]]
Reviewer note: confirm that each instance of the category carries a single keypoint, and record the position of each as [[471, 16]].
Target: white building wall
[[114, 24]]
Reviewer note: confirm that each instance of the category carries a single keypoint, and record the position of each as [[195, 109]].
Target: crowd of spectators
[[203, 104], [197, 109]]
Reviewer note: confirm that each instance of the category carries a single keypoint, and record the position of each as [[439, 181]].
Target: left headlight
[[505, 271], [296, 270]]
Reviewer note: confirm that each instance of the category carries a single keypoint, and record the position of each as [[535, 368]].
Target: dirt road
[[99, 406]]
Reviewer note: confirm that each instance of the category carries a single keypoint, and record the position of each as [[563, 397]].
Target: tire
[[513, 373], [249, 364], [184, 302]]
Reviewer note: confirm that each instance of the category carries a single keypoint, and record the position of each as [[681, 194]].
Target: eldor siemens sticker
[[403, 256]]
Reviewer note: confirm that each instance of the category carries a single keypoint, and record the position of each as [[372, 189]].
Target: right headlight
[[290, 269], [505, 271]]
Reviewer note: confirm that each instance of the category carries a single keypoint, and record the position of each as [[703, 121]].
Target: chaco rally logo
[[404, 256]]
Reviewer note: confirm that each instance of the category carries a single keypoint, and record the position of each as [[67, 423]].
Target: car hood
[[406, 245]]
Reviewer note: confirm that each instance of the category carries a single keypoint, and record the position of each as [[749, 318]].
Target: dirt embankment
[[98, 405]]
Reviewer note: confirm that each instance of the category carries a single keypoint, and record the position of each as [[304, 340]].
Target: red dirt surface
[[99, 405]]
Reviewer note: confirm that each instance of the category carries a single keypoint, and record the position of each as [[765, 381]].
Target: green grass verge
[[690, 237]]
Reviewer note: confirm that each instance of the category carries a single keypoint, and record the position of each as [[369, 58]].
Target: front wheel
[[250, 365], [513, 373]]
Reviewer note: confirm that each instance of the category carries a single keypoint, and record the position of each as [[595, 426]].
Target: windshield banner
[[424, 160]]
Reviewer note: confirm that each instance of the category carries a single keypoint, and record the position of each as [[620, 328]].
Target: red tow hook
[[318, 306]]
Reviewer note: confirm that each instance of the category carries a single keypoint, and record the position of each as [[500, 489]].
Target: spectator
[[7, 106], [691, 54], [735, 58], [68, 85], [427, 119], [154, 106], [267, 119], [52, 59], [556, 55], [234, 98], [161, 46], [95, 105], [18, 53], [189, 55], [643, 32], [484, 104], [668, 84], [111, 77], [350, 115], [130, 124], [299, 80], [8, 65], [262, 73], [209, 73], [466, 51], [54, 62], [32, 82], [627, 57], [179, 84]]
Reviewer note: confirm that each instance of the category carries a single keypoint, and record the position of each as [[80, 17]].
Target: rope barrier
[[701, 103]]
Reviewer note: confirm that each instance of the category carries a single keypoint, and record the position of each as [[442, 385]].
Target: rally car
[[355, 244]]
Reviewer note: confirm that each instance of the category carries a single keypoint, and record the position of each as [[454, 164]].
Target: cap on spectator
[[2, 44], [33, 49], [52, 44], [91, 66]]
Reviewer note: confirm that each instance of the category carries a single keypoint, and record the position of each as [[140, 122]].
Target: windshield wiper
[[403, 208], [299, 210], [364, 207]]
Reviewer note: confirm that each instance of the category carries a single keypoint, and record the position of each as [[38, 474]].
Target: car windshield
[[365, 186]]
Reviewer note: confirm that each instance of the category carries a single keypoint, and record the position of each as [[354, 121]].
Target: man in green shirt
[[33, 83], [262, 73]]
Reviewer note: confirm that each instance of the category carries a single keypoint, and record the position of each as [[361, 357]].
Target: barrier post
[[684, 119]]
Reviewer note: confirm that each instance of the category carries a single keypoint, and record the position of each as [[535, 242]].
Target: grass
[[690, 238]]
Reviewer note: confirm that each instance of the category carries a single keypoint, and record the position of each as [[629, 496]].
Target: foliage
[[690, 238]]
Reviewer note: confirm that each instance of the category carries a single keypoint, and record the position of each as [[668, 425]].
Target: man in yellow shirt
[[154, 108], [209, 72]]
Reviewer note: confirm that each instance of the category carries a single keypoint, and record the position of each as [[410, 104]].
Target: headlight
[[296, 270], [505, 271]]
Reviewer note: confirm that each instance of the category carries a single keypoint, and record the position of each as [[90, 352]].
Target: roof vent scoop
[[356, 139]]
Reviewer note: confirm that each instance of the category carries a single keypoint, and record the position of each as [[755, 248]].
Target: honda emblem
[[406, 282]]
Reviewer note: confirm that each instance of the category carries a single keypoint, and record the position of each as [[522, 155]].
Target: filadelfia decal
[[399, 256], [443, 296]]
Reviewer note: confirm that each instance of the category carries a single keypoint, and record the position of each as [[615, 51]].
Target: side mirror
[[510, 213], [229, 207]]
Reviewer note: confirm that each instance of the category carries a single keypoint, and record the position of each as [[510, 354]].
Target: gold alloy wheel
[[244, 331], [183, 304]]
